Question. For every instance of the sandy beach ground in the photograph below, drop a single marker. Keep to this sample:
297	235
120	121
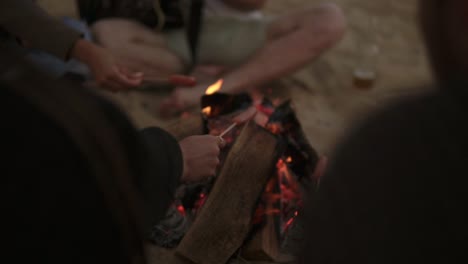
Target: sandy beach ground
324	95
323	92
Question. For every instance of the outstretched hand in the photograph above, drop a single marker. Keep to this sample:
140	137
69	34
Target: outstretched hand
107	72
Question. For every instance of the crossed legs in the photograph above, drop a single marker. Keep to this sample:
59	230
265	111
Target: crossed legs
294	40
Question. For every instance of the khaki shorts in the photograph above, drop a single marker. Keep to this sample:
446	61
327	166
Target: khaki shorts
223	41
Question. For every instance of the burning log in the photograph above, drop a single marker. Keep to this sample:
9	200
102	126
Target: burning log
225	220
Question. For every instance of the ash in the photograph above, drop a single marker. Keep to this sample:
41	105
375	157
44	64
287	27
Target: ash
170	231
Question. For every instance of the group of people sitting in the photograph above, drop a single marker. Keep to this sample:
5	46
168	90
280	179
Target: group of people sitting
82	185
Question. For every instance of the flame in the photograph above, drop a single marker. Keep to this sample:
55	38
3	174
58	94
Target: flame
289	159
207	110
214	87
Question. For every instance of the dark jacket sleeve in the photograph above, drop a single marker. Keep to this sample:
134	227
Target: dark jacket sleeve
156	159
26	20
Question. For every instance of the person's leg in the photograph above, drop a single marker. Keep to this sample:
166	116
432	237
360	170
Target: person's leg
139	47
293	41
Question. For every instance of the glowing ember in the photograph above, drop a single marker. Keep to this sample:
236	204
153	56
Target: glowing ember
181	209
274	128
207	110
265	109
214	87
200	202
291	198
290	221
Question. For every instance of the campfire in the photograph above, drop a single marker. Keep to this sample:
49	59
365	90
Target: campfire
251	204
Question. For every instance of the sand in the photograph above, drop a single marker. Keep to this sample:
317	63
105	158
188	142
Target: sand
328	104
323	93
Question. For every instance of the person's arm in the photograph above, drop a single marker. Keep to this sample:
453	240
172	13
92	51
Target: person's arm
161	162
171	163
28	22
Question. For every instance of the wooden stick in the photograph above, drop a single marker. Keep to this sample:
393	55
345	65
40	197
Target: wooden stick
227	130
224	221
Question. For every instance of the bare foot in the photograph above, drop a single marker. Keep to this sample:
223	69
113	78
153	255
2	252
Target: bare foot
181	99
184	97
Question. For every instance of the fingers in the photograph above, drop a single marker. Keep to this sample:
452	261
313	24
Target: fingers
130	74
127	79
214	142
120	80
201	157
221	142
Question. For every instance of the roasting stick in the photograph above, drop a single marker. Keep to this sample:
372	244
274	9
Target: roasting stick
227	130
221	141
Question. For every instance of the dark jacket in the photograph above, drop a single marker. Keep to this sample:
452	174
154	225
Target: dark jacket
397	189
53	202
26	21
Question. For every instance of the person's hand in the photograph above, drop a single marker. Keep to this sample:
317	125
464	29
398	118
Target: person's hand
105	68
201	157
